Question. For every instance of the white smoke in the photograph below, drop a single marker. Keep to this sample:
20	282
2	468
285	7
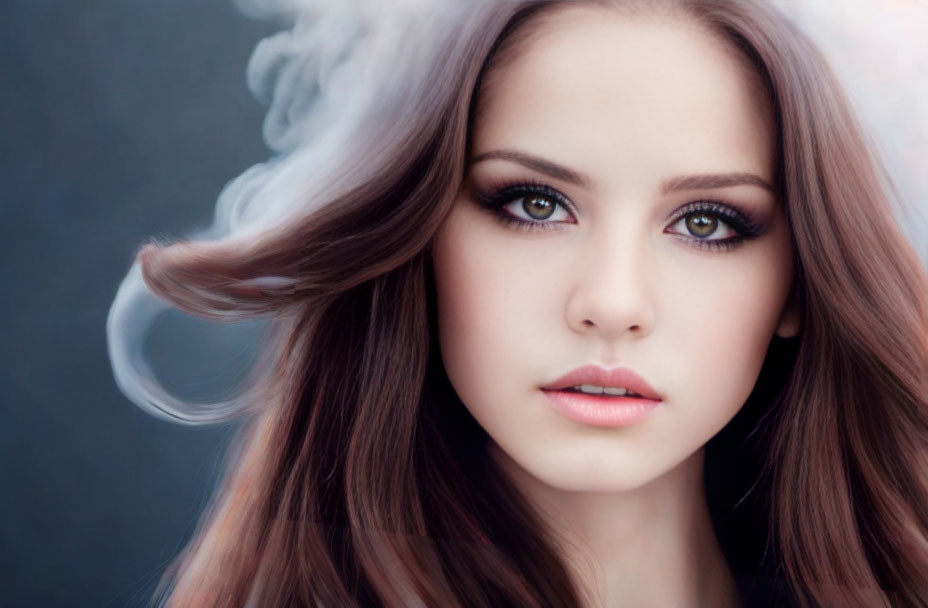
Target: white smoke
879	51
342	62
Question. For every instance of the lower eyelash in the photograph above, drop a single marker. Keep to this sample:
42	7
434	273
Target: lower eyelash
718	244
520	224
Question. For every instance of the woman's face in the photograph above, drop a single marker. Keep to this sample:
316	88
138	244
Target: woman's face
616	214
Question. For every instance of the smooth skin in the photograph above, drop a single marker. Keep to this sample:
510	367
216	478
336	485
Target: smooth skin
623	107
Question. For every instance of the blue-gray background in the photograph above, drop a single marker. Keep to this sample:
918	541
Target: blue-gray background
120	120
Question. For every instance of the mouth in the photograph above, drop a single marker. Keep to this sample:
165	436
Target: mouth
594	381
606	391
601	397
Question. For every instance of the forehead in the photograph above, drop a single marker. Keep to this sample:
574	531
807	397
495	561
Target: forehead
601	88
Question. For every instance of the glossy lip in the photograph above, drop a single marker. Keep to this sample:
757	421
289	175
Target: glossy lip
619	377
602	410
596	410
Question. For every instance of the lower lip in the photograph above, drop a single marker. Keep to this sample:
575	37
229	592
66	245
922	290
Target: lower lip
603	410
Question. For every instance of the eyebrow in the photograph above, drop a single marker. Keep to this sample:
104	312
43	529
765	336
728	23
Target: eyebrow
685	182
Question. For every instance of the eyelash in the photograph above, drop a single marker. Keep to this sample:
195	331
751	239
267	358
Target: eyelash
496	198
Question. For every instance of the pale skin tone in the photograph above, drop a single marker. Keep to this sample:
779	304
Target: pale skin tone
614	114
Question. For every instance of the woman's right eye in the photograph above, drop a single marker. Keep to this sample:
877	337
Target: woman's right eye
529	206
537	207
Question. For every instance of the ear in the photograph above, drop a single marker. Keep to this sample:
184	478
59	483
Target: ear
788	325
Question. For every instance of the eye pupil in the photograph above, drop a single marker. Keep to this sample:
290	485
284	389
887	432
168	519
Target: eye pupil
702	225
538	207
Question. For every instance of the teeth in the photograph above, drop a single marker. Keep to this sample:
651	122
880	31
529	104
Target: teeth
592	389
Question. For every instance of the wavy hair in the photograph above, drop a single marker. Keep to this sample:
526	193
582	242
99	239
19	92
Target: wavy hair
360	478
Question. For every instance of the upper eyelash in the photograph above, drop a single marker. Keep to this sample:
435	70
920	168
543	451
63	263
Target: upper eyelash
503	194
496	197
737	220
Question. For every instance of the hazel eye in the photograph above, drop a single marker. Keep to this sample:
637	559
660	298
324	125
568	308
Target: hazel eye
704	226
536	207
527	206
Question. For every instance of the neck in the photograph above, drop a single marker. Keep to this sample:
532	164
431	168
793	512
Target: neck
649	546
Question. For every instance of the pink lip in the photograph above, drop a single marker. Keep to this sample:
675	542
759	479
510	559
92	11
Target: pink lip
602	410
616	377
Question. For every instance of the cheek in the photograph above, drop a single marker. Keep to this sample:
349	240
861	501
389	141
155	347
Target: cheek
500	317
485	315
723	331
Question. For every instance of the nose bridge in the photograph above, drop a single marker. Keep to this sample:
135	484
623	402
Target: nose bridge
613	290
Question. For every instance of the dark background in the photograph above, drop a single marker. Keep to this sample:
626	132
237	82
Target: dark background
120	120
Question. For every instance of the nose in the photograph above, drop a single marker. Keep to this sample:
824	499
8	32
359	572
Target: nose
612	291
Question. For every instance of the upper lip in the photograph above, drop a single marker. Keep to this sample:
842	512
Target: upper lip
618	377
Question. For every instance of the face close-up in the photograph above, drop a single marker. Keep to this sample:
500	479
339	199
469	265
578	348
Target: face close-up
590	231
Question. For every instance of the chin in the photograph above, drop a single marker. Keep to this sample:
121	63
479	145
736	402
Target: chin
564	473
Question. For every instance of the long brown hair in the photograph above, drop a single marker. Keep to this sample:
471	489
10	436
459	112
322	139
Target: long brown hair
360	478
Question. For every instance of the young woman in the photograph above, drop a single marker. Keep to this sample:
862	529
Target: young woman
590	303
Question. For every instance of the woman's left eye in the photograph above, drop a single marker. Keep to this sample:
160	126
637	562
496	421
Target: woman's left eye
704	226
713	225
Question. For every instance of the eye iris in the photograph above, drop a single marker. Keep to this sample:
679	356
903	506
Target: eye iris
702	224
538	207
